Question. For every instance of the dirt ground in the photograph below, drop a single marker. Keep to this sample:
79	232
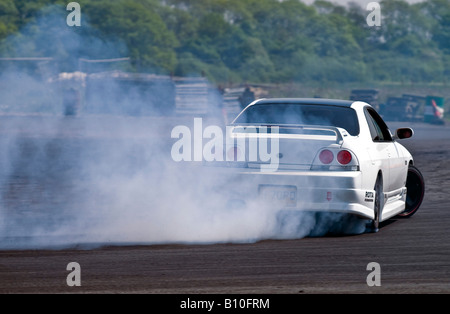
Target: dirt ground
413	255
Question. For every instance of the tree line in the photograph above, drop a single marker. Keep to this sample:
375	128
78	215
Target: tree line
257	41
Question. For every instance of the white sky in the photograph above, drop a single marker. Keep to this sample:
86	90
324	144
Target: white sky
363	3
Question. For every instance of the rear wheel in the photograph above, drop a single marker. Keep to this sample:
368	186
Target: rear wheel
415	192
378	204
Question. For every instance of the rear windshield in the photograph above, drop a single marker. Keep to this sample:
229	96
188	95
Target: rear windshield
304	114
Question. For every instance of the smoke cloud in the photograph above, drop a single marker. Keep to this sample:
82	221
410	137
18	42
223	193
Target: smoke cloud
104	175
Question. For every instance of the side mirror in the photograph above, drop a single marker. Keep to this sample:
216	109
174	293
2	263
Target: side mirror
403	133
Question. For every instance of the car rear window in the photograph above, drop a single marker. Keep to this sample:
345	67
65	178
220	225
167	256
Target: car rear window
303	114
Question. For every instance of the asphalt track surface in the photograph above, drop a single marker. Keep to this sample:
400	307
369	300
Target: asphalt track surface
413	254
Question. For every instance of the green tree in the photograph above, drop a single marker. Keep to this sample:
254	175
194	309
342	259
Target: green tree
9	16
438	11
151	45
235	40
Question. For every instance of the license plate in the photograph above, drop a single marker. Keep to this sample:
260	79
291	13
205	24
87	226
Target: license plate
281	195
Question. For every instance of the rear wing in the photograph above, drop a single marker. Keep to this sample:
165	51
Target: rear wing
288	131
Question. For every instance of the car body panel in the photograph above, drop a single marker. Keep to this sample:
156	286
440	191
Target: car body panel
349	191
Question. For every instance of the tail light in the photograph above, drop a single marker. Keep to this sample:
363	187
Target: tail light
234	153
335	159
344	157
326	156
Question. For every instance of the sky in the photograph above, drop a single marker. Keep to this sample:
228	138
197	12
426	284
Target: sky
363	3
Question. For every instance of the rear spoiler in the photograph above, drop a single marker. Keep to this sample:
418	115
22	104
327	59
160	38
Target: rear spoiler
292	131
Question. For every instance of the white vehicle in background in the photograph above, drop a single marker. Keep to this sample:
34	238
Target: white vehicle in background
334	156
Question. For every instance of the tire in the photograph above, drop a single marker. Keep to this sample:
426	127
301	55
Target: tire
415	185
378	204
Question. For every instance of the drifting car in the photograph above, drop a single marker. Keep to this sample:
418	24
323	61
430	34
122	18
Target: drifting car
332	156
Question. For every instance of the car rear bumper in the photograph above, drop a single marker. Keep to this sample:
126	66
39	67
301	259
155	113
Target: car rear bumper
317	191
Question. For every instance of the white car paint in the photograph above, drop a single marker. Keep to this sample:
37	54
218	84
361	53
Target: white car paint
348	191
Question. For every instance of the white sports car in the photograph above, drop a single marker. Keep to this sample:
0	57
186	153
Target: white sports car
329	156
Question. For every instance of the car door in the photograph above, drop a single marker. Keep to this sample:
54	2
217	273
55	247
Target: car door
385	151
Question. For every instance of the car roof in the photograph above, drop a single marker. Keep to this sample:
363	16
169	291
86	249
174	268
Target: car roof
305	101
